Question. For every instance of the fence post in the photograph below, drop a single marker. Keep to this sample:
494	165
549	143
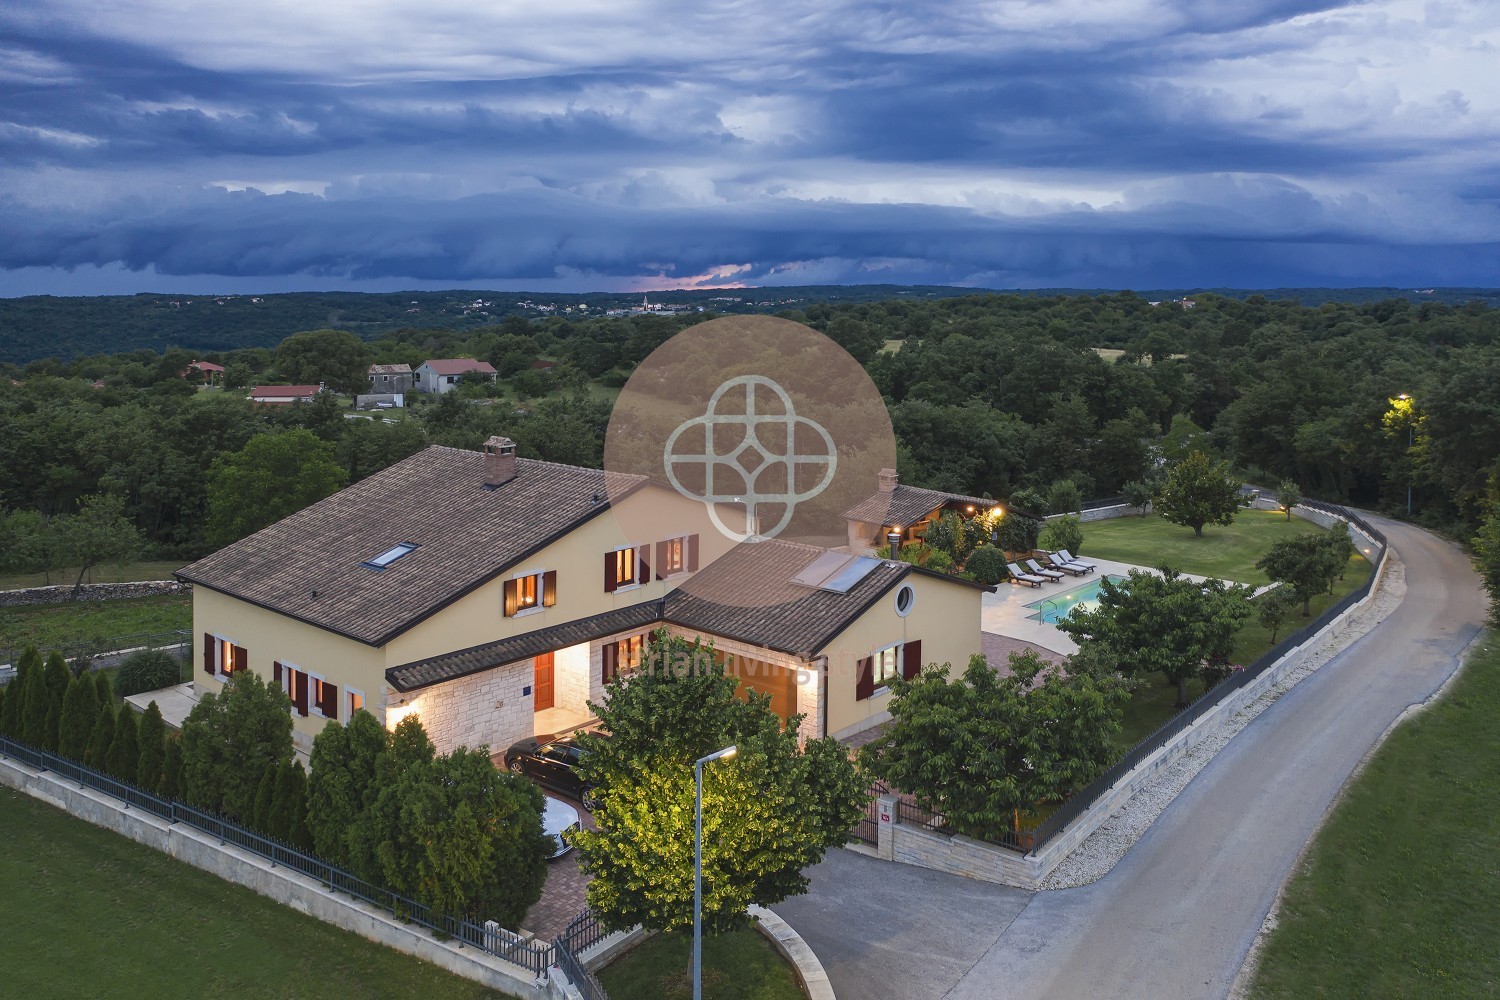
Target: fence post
887	816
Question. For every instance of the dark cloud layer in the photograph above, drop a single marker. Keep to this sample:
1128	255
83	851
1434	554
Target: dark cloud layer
1160	143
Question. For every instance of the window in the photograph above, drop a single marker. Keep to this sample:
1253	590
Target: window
623	656
354	701
876	671
626	568
221	657
309	693
887	665
906	597
324	698
390	555
452	379
676	555
530	592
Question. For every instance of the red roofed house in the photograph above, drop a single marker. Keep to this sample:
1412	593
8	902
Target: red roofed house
209	371
441	374
284	395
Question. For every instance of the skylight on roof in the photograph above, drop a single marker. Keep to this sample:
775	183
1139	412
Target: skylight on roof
842	581
390	555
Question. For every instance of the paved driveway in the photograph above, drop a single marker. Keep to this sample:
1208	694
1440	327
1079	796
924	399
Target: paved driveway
1178	914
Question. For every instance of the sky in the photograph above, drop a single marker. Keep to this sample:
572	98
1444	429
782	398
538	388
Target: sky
576	145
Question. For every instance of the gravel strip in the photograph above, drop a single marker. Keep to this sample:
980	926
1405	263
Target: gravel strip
1096	856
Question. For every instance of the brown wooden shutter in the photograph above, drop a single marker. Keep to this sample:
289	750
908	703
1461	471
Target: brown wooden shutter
299	696
864	684
241	658
661	560
611	579
512	598
330	704
692	553
643	571
276	672
911	659
549	588
611	659
208	654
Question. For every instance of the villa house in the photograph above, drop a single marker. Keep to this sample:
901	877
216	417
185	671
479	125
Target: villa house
390	379
441	374
494	596
895	508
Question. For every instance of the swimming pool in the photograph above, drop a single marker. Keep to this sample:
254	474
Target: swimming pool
1055	608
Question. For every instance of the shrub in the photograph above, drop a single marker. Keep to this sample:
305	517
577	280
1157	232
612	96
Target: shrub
123	757
987	565
1064	497
1029	500
79	713
151	735
147	670
939	561
1016	533
1138	493
1064	532
102	736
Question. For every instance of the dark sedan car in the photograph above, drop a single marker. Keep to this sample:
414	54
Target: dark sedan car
552	762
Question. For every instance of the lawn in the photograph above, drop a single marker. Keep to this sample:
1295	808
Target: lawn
1397	895
57	626
127	573
1228	553
739	965
105	916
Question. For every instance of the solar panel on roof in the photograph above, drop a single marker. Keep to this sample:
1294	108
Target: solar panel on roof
821	568
842	581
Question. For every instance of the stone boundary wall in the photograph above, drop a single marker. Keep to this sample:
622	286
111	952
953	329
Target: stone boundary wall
63	593
959	855
289	888
1104	513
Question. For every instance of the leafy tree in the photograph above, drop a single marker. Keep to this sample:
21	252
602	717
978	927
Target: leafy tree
1487	548
1139	493
229	739
123	757
981	748
1063	532
99	533
341	782
770	811
272	476
1064	497
1198	492
1161	622
287	817
1302	564
1289	495
987	565
1016	532
1272	608
339	359
151	737
1183	439
237	375
1338	548
79	713
102	737
147	670
1029	500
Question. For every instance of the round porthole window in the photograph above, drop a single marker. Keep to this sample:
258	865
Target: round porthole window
905	598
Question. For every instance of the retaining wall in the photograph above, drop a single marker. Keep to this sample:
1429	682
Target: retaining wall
286	887
90	592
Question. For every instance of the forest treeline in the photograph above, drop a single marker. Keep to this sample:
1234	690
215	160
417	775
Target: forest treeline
989	395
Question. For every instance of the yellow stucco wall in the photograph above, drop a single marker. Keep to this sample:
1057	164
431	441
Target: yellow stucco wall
945	618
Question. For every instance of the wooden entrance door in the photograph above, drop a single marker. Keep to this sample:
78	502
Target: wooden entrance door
542	682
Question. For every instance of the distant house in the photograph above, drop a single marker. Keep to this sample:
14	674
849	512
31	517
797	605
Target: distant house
390	378
284	395
207	370
543	365
441	374
380	401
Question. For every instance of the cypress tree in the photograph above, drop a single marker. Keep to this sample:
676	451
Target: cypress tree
58	677
288	818
15	693
102	736
79	713
265	795
151	735
102	689
124	753
35	701
2	708
171	770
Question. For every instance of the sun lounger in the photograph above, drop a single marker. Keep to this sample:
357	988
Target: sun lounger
1019	575
1070	557
1037	568
1058	562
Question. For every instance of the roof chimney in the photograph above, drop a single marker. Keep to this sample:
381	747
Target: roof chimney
499	461
886	480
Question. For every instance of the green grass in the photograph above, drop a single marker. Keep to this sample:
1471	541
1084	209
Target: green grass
739	965
1397	895
1228	553
128	573
56	626
96	915
1255	639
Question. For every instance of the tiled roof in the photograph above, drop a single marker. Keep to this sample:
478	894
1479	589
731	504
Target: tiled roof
450	666
788	618
390	369
309	565
457	366
906	505
284	390
207	366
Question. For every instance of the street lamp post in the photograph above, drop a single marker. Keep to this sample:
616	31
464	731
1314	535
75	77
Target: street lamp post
698	865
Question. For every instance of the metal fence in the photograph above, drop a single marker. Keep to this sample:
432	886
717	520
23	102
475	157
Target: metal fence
487	937
1104	502
582	932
